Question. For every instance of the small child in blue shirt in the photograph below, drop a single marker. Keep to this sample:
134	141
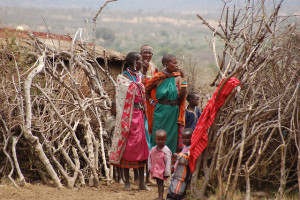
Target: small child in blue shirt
192	112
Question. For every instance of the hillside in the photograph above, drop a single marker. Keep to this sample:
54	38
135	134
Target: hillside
120	30
125	25
121	4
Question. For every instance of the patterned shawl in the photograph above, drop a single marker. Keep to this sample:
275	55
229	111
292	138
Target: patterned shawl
125	94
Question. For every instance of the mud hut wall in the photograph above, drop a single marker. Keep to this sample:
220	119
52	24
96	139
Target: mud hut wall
114	68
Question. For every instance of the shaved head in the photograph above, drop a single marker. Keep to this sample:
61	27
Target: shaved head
160	132
187	132
167	58
186	136
131	57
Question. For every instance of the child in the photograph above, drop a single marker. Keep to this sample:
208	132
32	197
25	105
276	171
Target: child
192	112
182	173
159	161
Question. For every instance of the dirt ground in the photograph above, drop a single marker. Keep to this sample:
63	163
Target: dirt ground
43	192
103	192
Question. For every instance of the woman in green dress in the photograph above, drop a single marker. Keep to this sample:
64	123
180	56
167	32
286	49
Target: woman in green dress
170	104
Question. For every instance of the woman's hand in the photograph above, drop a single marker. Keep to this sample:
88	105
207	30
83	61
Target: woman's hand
145	66
175	155
180	69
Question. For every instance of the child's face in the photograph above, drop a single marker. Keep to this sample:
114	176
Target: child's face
160	140
186	138
195	100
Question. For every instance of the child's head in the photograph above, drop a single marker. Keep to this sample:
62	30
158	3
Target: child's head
186	136
193	98
160	138
113	108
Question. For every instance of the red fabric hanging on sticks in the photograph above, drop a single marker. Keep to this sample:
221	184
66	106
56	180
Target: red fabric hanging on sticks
200	138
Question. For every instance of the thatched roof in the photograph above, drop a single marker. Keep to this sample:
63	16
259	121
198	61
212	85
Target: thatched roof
60	43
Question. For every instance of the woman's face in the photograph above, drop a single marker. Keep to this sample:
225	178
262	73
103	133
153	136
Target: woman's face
147	55
172	66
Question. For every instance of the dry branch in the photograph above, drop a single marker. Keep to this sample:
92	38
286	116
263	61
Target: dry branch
53	116
256	129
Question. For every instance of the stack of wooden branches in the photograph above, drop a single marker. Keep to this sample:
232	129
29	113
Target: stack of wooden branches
53	109
254	143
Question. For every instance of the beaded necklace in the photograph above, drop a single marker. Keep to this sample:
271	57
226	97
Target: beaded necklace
165	72
134	77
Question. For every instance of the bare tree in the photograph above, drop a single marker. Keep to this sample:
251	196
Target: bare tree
194	69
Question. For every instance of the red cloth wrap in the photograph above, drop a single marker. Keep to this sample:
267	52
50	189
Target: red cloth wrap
199	137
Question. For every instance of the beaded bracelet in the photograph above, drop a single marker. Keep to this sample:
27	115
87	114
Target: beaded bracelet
152	102
184	84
